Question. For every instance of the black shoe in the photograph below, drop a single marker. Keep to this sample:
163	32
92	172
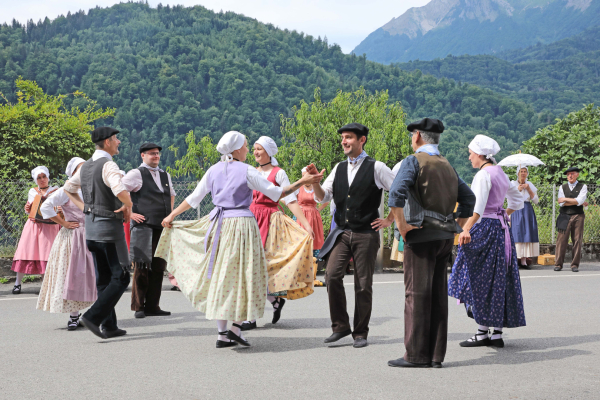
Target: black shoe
402	363
497	342
233	336
16	289
558	268
140	314
221	343
95	329
470	312
280	302
248	326
175	289
524	266
157	313
436	364
335	336
360	342
115	333
575	269
475	341
73	323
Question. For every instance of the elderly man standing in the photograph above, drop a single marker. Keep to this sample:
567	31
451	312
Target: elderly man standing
356	185
423	198
571	198
106	204
153	197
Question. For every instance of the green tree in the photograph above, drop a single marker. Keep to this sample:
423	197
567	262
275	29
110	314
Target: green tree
40	130
571	141
197	159
310	136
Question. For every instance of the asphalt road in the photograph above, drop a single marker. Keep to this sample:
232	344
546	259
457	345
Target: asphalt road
556	356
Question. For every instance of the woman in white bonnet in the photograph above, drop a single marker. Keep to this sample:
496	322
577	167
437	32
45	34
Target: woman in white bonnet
38	235
70	282
485	276
288	248
219	261
524	223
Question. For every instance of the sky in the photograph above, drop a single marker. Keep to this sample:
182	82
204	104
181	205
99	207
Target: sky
345	22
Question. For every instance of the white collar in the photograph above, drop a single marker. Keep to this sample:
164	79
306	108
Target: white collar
572	184
101	153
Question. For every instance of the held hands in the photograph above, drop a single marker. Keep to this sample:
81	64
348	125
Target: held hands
464	237
139	218
168	221
380	224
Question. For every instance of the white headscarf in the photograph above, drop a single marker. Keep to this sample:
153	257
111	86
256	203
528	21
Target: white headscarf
485	146
270	147
230	142
72	165
39	170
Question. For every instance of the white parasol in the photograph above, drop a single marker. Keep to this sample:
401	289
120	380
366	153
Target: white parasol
521	160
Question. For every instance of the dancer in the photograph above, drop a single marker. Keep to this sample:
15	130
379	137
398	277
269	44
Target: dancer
485	276
106	205
523	223
153	197
571	199
227	280
288	248
356	185
38	234
423	198
70	281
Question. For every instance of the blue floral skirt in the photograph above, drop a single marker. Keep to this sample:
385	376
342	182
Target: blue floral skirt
482	279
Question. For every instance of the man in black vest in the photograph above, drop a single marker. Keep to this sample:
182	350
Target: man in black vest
106	204
153	196
424	195
356	186
571	198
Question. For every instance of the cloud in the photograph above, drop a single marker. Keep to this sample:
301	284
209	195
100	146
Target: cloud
345	22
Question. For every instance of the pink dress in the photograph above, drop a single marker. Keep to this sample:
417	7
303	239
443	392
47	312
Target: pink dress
309	209
34	245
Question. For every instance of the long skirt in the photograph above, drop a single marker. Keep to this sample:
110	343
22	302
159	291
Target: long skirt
525	231
289	253
68	286
34	247
236	290
313	216
483	278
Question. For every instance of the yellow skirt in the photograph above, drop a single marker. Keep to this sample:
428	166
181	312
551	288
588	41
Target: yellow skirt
289	254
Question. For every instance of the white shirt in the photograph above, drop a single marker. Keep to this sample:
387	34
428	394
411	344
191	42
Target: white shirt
582	194
254	180
396	169
481	186
383	178
32	193
133	180
282	180
58	198
525	192
111	175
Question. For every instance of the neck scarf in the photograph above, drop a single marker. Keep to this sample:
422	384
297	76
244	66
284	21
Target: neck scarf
357	159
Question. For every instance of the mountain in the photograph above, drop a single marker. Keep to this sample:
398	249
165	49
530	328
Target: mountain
556	78
458	27
169	70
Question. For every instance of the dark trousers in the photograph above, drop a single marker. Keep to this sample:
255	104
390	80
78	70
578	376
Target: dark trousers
575	230
426	300
111	282
147	283
363	248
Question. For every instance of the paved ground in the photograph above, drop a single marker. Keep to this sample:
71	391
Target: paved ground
556	356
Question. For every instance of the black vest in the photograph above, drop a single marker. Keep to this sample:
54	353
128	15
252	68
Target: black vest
357	206
572	194
97	197
149	201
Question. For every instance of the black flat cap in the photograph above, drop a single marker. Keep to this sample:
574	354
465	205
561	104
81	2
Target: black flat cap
149	146
572	169
359	129
427	125
103	133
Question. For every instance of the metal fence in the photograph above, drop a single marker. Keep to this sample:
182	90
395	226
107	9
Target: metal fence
13	196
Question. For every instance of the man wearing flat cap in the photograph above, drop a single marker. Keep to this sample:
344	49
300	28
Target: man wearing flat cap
356	186
423	198
106	204
153	196
571	198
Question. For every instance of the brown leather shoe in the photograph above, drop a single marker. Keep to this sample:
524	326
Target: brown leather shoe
575	268
558	268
